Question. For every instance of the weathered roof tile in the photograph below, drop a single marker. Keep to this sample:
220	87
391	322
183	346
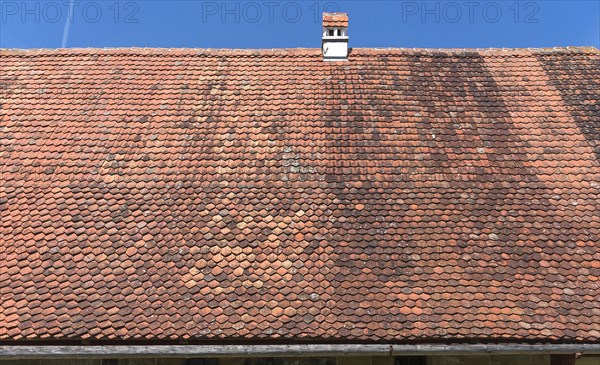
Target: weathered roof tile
405	195
335	19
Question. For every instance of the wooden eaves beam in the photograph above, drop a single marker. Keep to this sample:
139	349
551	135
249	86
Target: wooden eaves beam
297	350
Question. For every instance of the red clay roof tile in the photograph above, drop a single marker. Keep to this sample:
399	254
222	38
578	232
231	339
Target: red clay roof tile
405	195
335	20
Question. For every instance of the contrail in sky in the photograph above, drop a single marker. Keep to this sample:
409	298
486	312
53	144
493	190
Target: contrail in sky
67	25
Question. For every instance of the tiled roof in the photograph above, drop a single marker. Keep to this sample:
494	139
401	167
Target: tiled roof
405	195
335	19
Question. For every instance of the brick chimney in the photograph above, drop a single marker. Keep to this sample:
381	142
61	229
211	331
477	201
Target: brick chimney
335	37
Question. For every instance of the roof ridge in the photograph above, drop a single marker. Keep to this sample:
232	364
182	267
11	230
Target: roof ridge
292	51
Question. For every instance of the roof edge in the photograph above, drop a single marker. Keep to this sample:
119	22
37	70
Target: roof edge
277	51
297	350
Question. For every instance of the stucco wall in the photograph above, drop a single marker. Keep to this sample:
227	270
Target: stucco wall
490	360
588	361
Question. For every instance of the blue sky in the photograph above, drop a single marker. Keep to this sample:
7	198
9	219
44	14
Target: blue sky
283	24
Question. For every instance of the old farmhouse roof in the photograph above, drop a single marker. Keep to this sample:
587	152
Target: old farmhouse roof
402	196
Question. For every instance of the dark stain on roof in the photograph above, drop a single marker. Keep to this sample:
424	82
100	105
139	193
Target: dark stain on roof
403	196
